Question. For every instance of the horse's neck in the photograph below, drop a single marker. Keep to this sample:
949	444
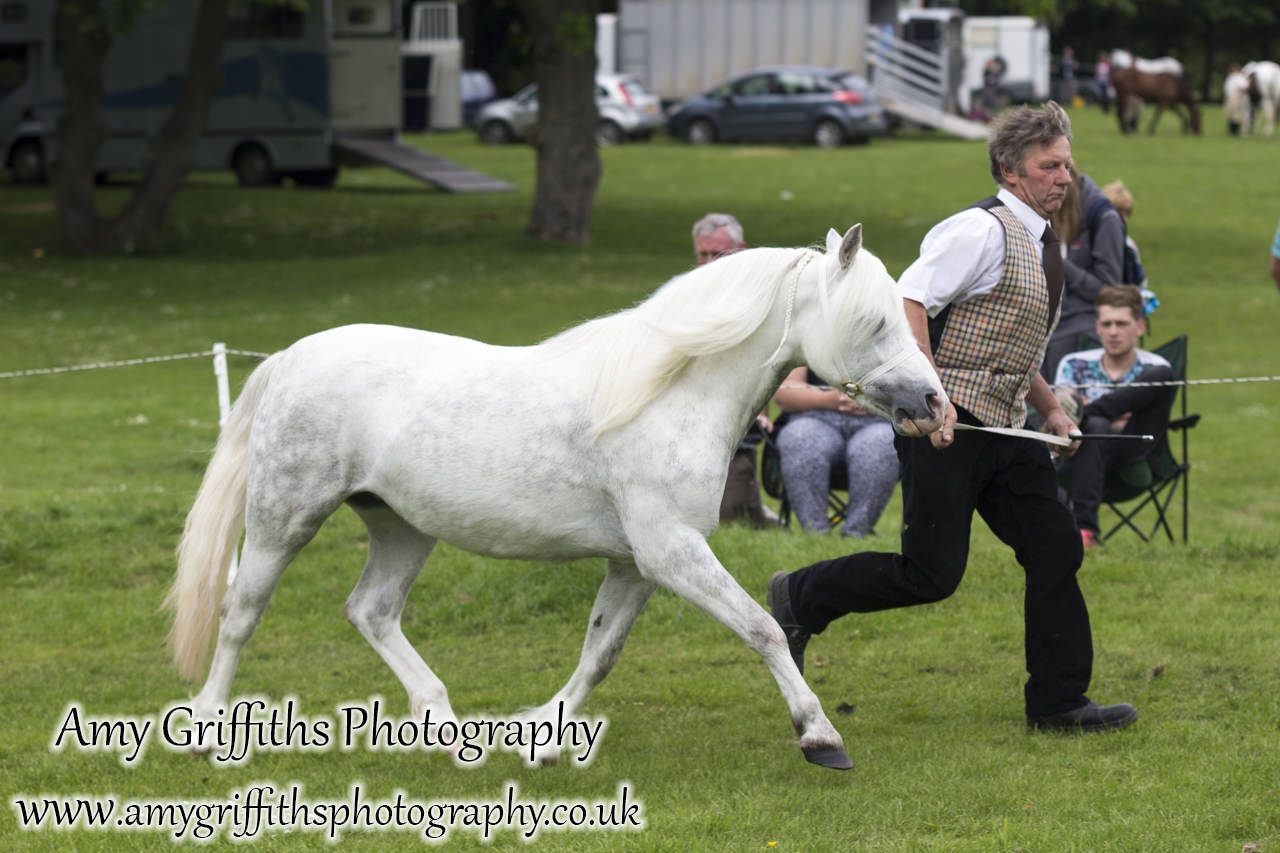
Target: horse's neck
739	382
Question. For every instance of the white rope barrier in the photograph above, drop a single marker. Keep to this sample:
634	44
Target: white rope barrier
128	362
220	351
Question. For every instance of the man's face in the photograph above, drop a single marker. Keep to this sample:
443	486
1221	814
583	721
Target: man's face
1043	179
1118	330
717	244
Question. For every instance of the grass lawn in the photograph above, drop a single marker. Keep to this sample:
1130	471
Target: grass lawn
99	468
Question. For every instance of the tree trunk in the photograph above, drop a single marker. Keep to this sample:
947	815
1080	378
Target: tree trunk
82	28
564	36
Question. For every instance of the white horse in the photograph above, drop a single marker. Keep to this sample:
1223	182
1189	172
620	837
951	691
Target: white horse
611	439
1264	86
1235	101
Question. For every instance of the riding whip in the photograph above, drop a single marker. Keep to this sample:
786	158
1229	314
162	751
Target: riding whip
1049	438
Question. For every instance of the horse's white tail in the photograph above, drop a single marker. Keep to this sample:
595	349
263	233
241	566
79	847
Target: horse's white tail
212	532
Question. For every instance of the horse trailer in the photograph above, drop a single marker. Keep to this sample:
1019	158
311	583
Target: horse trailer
296	78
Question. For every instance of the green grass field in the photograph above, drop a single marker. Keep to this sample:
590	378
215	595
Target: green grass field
99	468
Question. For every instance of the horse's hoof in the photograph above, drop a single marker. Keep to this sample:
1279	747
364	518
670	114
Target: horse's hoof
828	756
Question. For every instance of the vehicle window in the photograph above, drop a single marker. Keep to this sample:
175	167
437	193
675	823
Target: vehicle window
257	19
850	82
362	18
793	83
760	84
13	67
922	31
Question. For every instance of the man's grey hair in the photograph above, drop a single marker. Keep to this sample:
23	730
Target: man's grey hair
1016	131
713	222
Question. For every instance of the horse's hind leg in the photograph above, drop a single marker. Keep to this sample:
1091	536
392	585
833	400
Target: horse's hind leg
1151	128
262	562
621	597
397	552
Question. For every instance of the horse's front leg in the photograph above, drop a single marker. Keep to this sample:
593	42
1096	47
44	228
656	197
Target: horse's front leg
679	559
622	596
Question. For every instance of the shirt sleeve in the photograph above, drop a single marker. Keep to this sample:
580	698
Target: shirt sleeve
1275	245
961	258
1063	375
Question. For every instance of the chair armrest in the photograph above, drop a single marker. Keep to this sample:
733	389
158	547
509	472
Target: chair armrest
1184	422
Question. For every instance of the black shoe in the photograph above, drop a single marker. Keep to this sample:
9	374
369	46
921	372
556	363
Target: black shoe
1089	717
779	601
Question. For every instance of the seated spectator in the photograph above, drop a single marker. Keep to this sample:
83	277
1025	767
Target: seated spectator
1275	259
825	428
1106	408
1122	200
714	236
1094	259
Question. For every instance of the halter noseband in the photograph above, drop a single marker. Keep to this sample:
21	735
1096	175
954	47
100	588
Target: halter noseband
853	389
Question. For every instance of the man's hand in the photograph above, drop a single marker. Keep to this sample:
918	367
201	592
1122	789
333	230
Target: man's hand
943	437
1057	423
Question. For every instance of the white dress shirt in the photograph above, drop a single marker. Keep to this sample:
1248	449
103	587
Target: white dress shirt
950	270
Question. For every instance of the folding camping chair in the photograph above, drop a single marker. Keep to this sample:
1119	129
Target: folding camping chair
771	480
1157	479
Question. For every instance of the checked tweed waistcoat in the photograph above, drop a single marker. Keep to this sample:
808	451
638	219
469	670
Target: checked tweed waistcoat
989	348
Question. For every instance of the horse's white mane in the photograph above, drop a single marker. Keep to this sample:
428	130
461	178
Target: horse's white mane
631	357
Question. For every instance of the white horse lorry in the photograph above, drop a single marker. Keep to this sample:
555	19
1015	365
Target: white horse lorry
306	88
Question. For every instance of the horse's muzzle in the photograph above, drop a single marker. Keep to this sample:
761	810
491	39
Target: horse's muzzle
919	421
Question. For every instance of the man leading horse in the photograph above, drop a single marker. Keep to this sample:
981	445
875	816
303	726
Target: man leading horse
982	299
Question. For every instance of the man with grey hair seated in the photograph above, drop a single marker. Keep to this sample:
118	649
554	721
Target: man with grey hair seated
714	236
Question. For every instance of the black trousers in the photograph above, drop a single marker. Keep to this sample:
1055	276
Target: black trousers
1011	483
1088	468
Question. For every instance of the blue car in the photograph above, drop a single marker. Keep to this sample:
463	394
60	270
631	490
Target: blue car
825	105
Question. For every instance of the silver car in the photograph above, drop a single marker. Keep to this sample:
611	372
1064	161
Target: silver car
626	110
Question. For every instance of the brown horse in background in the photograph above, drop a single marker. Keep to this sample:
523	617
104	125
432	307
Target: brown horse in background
1166	91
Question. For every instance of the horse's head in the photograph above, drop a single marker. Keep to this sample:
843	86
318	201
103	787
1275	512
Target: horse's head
862	343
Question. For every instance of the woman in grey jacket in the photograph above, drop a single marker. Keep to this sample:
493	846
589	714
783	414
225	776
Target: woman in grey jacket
1094	259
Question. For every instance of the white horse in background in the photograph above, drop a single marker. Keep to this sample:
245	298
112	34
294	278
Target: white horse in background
1235	101
611	439
1264	87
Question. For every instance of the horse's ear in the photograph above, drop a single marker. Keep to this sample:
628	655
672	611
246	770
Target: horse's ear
852	243
833	241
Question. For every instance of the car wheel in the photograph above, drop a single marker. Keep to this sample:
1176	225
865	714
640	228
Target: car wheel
828	134
27	162
700	132
609	133
253	166
495	132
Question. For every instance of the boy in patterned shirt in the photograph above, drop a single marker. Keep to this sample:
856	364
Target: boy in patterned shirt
1106	407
